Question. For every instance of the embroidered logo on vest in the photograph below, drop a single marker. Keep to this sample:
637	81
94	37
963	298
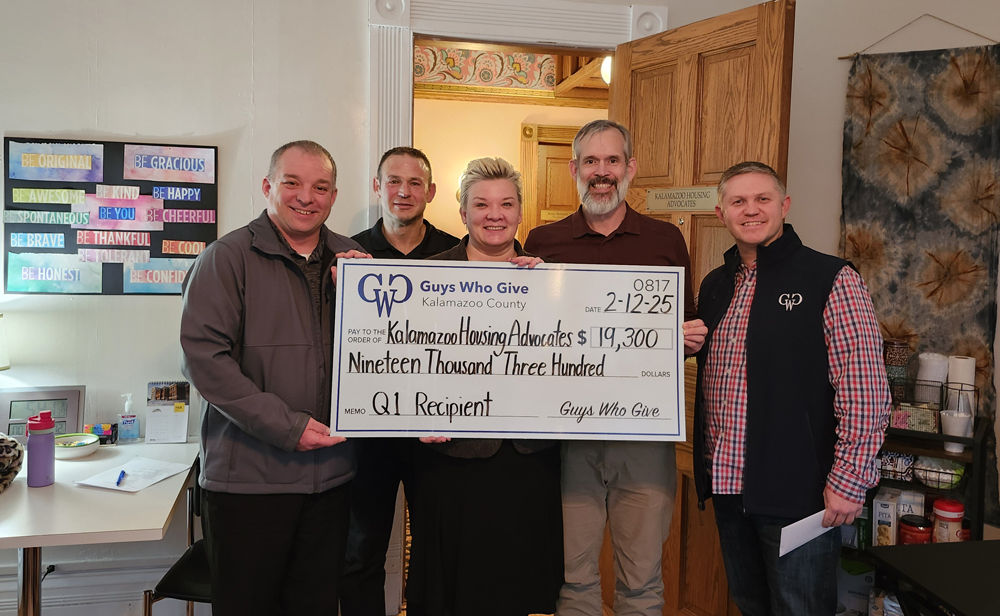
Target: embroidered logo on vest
789	300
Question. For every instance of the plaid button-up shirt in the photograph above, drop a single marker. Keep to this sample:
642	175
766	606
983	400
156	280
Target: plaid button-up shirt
857	373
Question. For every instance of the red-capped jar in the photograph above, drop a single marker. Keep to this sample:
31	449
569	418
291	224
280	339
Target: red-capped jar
948	515
915	529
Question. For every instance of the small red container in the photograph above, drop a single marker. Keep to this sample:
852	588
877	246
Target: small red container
915	529
948	517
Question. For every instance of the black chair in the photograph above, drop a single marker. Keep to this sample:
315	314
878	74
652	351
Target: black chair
188	579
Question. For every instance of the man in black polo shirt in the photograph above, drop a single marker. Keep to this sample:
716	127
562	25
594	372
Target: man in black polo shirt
403	187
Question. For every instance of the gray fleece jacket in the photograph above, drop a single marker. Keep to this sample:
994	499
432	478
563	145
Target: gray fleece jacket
255	348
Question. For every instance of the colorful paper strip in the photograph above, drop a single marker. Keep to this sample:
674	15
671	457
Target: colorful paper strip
51	273
56	162
169	164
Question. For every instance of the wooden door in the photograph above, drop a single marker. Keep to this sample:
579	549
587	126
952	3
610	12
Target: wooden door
697	100
549	191
707	239
705	96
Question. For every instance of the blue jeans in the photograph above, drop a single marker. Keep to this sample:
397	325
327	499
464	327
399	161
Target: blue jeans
800	583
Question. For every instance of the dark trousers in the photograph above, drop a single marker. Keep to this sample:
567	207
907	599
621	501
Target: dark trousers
382	464
800	583
275	554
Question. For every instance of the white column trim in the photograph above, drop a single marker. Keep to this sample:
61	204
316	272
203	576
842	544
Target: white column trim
647	20
391	105
524	21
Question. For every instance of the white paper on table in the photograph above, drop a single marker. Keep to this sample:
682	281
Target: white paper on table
799	533
140	473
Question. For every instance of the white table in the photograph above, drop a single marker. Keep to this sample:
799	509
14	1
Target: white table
68	514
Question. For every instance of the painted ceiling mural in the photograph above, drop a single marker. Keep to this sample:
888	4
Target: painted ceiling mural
478	68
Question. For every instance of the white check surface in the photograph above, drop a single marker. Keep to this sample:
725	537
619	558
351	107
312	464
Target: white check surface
475	349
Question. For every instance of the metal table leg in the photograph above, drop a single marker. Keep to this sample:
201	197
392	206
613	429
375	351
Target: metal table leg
29	581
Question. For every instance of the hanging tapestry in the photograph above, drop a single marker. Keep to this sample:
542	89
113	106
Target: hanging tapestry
921	203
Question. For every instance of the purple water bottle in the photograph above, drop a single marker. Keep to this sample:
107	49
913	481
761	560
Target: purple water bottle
41	450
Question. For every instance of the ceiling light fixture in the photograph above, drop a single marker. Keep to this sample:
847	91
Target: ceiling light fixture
606	70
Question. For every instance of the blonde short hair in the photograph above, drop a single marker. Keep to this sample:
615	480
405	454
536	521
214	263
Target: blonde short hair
482	169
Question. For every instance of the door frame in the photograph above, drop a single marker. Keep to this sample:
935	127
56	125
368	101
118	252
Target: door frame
533	135
393	23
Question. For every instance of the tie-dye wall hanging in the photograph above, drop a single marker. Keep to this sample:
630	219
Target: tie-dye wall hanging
921	203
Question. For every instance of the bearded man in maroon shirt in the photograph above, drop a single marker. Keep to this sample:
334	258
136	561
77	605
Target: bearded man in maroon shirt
631	484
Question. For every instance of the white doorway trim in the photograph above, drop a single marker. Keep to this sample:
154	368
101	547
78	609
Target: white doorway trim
392	24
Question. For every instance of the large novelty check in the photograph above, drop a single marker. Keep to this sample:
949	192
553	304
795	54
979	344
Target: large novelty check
476	349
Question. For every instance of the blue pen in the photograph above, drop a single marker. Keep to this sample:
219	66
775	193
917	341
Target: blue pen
121	476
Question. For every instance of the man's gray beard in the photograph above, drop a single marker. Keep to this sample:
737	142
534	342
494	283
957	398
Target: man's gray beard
596	207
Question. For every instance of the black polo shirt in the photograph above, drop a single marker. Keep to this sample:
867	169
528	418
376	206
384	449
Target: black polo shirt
435	241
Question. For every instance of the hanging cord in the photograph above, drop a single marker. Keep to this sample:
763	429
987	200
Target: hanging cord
903	27
48	570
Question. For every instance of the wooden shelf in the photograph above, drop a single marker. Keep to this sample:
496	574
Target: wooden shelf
931	436
927	444
969	491
956	493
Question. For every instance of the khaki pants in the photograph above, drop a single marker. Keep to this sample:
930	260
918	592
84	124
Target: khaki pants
631	485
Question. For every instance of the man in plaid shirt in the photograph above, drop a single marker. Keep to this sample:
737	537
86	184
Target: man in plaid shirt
792	400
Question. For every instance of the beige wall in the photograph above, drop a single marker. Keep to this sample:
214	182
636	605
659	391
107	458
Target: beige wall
452	133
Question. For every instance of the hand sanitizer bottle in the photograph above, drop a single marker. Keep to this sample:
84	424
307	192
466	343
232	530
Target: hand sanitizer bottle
128	423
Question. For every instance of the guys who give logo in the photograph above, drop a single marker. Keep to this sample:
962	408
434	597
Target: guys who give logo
790	300
396	290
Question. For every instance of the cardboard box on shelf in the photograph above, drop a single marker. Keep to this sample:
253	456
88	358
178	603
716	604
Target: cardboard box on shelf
910	503
884	525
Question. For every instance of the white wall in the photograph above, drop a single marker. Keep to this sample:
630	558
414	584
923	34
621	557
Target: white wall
245	75
452	133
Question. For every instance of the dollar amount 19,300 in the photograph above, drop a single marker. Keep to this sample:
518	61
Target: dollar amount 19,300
618	338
